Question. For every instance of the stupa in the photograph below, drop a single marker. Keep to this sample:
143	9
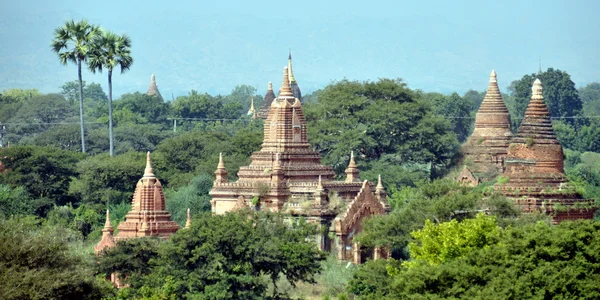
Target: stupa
266	105
107	240
153	88
486	148
534	168
252	110
148	215
287	176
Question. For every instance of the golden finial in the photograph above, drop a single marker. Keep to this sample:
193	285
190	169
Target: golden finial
188	222
379	184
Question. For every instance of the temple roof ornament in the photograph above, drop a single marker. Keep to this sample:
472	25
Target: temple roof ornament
107	240
269	97
293	84
352	170
153	88
188	222
252	111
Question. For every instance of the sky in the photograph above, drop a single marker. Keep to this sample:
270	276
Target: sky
212	46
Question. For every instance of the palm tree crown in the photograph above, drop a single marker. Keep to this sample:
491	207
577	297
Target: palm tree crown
72	41
109	51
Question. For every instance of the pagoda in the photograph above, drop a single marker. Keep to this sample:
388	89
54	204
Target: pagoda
153	88
252	110
486	148
287	176
293	84
148	215
534	168
269	97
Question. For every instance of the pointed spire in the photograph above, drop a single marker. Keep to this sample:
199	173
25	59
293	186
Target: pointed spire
540	67
252	111
536	90
148	172
221	165
536	123
107	226
153	88
188	222
379	184
285	90
352	170
352	163
270	86
291	73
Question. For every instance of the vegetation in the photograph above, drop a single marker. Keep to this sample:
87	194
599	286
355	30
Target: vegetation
446	240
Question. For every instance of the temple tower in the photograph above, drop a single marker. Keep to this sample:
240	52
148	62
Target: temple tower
293	84
153	88
107	240
287	176
487	147
148	215
252	110
266	105
534	167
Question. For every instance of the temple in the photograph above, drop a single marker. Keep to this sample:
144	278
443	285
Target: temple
293	84
287	176
528	166
153	88
486	148
266	105
534	167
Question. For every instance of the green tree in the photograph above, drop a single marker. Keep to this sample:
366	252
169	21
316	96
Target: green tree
475	98
559	94
37	262
72	43
435	244
15	201
108	52
103	180
535	261
455	108
377	118
42	171
223	257
193	196
150	108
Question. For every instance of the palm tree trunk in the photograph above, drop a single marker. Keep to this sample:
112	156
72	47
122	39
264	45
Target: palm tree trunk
110	118
81	106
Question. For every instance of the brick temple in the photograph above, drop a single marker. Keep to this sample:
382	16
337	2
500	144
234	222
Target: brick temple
148	215
530	164
287	176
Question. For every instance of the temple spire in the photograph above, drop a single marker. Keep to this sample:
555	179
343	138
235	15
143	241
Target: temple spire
153	88
107	226
252	110
148	172
285	90
291	73
352	170
188	222
379	184
221	172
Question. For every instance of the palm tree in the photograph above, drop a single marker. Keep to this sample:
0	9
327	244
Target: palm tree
72	44
109	51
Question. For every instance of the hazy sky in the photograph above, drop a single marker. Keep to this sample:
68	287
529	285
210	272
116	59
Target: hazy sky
211	46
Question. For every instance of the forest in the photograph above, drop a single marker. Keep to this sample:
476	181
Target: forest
53	195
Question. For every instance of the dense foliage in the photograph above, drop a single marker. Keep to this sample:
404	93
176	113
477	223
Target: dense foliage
220	257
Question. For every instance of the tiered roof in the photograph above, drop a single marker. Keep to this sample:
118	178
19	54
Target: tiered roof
535	167
488	144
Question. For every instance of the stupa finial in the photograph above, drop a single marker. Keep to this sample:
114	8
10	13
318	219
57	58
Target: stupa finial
493	77
379	184
352	163
221	165
285	91
148	172
270	86
107	225
188	222
536	90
